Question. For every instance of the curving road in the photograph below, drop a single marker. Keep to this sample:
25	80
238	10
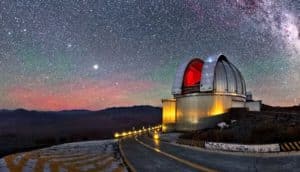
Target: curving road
145	154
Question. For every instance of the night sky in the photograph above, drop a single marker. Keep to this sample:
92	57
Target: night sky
92	54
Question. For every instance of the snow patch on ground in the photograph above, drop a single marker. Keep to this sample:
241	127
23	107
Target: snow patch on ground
3	167
102	155
170	137
242	148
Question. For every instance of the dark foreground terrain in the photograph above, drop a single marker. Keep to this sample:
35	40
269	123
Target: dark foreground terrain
23	130
271	125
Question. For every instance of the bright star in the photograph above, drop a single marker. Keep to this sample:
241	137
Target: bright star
96	67
69	45
209	60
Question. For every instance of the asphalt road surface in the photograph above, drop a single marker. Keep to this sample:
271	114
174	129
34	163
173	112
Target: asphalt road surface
145	154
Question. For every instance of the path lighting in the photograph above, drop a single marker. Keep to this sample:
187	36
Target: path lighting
164	128
117	135
131	132
155	136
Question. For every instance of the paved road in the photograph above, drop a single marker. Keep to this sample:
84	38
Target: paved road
148	155
144	159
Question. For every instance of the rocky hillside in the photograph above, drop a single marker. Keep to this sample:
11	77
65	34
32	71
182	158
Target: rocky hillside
275	125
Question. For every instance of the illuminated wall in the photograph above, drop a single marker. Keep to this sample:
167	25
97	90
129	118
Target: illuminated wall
168	113
191	110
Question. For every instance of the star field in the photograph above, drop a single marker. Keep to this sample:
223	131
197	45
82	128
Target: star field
93	54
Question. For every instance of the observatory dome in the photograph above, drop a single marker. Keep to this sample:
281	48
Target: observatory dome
214	75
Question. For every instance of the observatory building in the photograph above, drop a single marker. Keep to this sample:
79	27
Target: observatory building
203	89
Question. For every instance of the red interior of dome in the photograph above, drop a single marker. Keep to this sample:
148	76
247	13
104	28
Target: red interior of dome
192	75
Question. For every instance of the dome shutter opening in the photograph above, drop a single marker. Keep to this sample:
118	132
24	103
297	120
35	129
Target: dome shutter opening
192	76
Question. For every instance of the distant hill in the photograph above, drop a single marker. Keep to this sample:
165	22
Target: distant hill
280	109
20	129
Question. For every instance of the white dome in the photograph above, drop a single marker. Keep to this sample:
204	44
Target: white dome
215	74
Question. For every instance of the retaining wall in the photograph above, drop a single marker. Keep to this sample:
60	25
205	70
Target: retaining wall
242	148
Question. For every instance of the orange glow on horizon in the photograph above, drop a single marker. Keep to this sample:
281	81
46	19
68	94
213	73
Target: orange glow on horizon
86	94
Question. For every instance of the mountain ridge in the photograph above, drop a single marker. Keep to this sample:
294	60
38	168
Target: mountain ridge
21	129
